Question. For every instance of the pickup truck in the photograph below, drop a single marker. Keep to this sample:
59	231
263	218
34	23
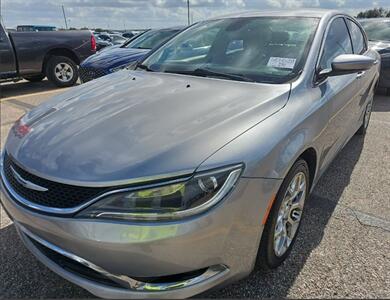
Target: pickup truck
36	55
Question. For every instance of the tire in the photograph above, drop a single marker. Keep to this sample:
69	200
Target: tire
267	255
366	119
35	78
62	71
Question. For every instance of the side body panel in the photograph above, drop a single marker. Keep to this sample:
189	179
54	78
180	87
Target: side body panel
32	47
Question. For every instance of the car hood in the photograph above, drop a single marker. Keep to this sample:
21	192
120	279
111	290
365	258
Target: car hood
114	57
135	126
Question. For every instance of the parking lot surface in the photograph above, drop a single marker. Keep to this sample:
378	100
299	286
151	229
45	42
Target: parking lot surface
342	249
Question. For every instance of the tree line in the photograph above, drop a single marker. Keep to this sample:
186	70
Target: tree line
374	13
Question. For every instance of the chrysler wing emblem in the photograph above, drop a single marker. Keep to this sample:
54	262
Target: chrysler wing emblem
28	184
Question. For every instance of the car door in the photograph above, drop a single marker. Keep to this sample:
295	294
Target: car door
339	92
366	79
7	56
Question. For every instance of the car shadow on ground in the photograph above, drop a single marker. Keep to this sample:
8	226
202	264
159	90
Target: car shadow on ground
23	88
319	209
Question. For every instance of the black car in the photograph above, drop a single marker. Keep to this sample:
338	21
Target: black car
378	32
128	35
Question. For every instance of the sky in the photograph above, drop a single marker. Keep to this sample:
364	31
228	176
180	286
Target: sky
133	14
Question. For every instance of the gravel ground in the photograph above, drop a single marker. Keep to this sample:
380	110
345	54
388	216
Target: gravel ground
342	250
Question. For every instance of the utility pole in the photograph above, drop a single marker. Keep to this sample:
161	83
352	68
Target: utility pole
63	12
188	12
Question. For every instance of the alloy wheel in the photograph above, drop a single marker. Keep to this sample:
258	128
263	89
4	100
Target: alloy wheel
63	72
290	214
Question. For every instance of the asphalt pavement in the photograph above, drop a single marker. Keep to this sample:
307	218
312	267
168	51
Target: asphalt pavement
342	250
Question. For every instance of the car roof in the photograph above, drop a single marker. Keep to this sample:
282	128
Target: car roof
310	13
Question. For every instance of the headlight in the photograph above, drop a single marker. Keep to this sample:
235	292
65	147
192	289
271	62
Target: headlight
125	66
173	201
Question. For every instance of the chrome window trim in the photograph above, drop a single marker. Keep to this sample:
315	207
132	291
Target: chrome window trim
123	280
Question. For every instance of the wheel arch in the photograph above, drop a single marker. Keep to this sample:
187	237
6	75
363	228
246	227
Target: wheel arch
59	52
310	156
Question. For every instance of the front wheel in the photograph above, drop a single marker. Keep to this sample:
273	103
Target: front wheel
283	223
62	71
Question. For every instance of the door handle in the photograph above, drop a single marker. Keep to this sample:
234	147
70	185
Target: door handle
360	75
376	62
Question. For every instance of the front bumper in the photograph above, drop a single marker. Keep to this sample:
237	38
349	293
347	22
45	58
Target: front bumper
223	242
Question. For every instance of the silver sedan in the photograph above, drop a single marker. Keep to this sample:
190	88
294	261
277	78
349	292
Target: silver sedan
190	170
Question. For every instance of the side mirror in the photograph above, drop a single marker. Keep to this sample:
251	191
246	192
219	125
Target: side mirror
347	64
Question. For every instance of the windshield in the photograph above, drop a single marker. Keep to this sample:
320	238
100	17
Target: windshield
377	30
260	49
151	39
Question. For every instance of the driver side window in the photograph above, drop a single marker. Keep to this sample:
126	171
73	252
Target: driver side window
337	42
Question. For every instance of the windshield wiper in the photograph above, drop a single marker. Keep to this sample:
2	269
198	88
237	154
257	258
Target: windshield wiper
208	72
144	67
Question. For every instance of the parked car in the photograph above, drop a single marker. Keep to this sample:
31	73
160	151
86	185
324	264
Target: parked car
378	31
128	35
117	39
178	176
35	55
100	43
133	33
117	57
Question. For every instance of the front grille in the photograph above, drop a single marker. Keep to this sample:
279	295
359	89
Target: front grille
58	195
73	266
88	73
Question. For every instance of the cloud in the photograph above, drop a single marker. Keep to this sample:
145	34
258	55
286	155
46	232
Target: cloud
293	3
122	14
